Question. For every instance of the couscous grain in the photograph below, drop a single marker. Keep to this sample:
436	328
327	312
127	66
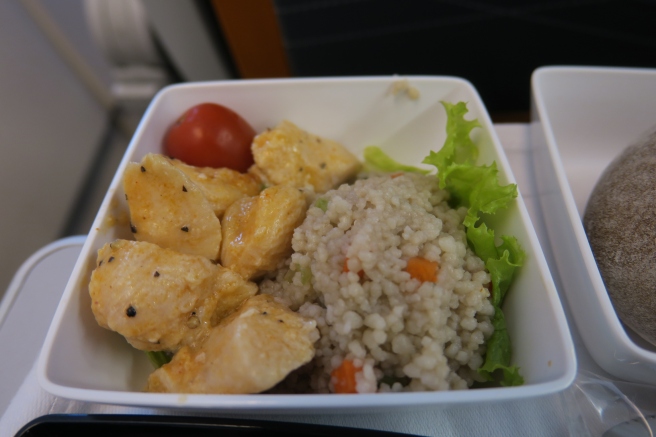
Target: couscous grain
348	272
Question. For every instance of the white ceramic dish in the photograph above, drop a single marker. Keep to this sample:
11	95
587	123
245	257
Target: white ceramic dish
82	361
581	119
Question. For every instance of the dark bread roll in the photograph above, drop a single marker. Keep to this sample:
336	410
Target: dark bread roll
620	222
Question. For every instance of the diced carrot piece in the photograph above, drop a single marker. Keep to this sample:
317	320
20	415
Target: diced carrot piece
422	269
345	269
343	377
396	175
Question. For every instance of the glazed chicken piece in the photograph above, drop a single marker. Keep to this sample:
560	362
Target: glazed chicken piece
221	186
160	299
290	155
168	209
257	231
249	352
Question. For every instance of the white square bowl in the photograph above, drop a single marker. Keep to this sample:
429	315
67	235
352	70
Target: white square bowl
82	361
581	119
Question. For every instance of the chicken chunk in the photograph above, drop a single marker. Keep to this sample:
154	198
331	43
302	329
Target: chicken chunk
160	299
290	155
249	352
257	231
221	186
168	209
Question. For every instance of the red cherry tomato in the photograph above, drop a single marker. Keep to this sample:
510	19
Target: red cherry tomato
211	135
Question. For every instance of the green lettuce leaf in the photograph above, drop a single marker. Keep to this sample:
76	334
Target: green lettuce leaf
158	358
477	187
460	180
458	147
497	358
481	240
377	160
501	261
502	269
487	195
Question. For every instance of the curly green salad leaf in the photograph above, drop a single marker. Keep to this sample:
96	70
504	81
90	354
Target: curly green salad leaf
477	188
377	160
158	358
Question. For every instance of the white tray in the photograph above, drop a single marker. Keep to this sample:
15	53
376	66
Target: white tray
27	307
581	119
